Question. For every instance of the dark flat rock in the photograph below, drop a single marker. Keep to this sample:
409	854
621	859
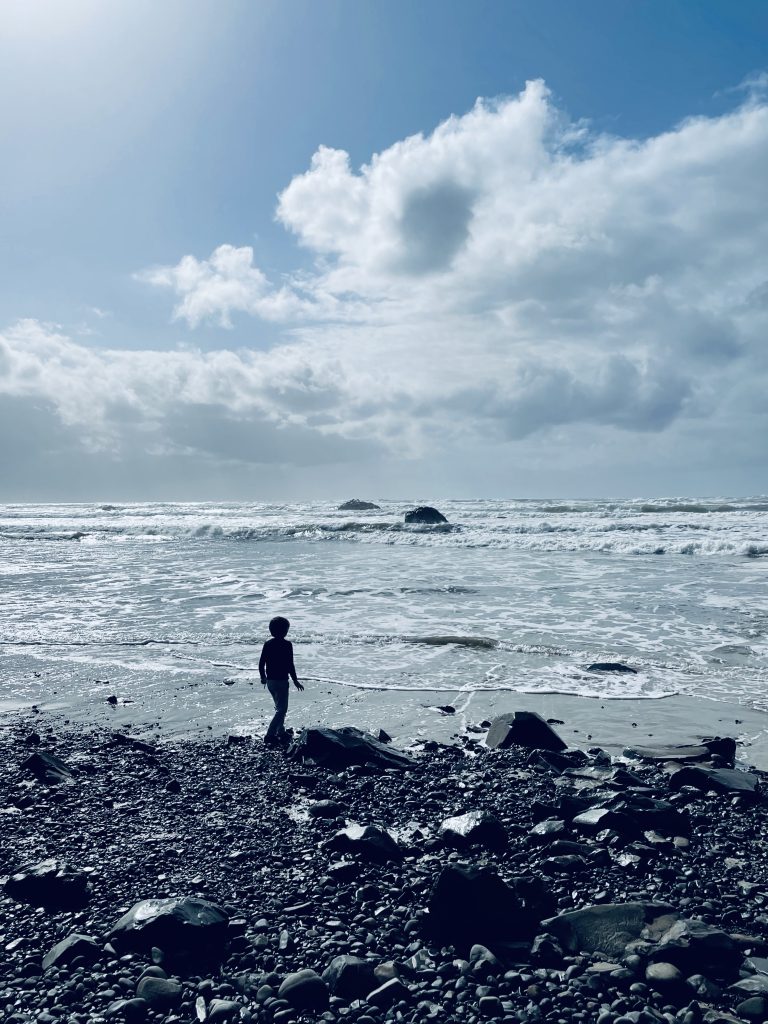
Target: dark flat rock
341	748
50	883
358	505
722	780
184	928
524	729
48	768
605	928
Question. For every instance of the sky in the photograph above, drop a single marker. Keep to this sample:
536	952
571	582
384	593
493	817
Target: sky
309	249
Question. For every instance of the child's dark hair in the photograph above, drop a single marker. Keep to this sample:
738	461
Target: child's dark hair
279	626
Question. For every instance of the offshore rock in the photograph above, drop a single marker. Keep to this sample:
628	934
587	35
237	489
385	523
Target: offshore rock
685	753
51	883
611	666
357	505
425	514
524	729
607	927
341	748
184	928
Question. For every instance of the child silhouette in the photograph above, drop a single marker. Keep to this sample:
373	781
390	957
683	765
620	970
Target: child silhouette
275	668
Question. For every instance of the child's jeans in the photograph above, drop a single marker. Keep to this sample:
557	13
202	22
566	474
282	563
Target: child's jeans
279	690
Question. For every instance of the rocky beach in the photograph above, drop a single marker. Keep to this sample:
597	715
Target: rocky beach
505	877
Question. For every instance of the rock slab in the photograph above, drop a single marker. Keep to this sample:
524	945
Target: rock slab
184	928
524	729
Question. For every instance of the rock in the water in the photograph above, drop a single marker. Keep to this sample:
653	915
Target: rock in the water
69	949
607	927
341	748
358	505
350	977
524	729
478	827
48	768
611	666
473	905
685	753
160	993
721	780
51	883
425	514
184	928
305	991
366	842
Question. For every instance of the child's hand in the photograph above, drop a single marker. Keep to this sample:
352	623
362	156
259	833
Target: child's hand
298	685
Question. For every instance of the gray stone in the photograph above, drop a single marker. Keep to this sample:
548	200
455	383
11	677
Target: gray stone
50	883
474	827
223	1010
160	993
388	994
350	977
48	768
366	842
606	927
524	729
694	946
305	991
341	748
184	928
69	949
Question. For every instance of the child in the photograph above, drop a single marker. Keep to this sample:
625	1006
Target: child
275	666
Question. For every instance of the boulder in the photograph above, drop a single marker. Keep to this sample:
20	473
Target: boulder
305	991
730	781
686	753
327	809
386	995
471	905
161	994
607	927
223	1010
474	827
48	768
132	1011
366	842
51	883
340	748
693	946
425	514
524	729
185	928
70	949
349	977
598	818
357	505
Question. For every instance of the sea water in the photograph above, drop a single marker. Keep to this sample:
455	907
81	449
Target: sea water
166	606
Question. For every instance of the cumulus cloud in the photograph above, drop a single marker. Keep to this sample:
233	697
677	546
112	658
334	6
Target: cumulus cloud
509	275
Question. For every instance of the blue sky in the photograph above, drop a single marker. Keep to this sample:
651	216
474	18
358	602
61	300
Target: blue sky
142	133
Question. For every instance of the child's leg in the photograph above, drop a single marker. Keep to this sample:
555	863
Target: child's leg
279	690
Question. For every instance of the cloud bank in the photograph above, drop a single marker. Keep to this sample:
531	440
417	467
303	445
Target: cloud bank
513	275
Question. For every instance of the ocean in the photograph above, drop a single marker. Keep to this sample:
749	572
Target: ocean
165	606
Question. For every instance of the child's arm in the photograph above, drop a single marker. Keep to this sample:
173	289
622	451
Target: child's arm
263	664
292	671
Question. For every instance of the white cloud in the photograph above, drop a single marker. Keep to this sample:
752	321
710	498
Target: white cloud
511	275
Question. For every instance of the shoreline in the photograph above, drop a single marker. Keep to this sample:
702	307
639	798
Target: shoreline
320	929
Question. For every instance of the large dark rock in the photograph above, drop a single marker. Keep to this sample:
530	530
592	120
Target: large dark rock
340	748
474	827
161	994
696	946
687	753
350	977
48	768
598	818
611	666
607	927
70	949
721	780
305	991
186	929
51	883
474	905
425	514
356	505
524	729
366	842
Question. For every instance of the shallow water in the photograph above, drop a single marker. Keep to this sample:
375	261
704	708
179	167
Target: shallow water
160	604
